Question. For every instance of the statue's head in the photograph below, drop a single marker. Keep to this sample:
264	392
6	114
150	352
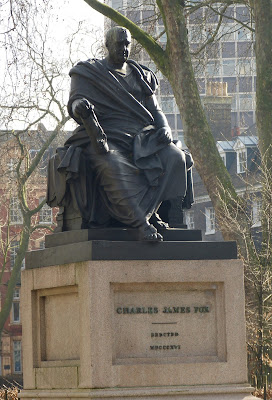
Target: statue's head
118	43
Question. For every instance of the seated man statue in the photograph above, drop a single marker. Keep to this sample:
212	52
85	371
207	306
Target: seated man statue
120	161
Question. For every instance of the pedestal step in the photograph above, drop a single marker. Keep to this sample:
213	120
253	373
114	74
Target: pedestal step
209	392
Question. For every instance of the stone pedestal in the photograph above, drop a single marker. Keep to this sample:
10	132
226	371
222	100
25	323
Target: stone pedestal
127	329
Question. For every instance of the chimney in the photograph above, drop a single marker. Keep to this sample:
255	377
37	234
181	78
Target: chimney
217	106
235	131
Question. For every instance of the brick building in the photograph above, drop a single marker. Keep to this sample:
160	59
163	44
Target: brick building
11	225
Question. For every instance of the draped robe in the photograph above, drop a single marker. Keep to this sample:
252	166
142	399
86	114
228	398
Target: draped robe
129	183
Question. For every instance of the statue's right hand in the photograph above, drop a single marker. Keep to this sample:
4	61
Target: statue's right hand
82	108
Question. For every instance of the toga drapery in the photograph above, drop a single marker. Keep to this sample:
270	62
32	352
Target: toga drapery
128	183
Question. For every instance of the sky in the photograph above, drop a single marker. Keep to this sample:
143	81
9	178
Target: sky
76	10
64	18
67	15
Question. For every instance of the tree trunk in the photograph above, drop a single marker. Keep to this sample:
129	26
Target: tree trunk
24	240
263	50
198	136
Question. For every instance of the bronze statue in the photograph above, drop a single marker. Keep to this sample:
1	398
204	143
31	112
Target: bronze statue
120	163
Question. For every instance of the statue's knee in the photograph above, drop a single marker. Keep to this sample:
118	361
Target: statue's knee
111	160
184	156
177	155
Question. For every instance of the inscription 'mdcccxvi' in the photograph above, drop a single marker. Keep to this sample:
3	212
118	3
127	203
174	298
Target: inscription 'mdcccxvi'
165	310
166	347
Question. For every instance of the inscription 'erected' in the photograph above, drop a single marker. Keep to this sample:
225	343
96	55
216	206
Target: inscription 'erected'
164	334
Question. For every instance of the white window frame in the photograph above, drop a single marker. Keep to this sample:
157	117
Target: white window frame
168	105
243	35
226	33
16	311
17	353
229	66
14	245
45	214
256	213
223	156
245	102
11	167
241	161
190	220
244	67
163	37
15	213
210	220
213	68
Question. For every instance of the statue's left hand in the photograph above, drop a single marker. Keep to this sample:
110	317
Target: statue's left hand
82	108
164	135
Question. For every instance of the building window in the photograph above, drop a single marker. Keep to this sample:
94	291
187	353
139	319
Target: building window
213	68
17	356
241	161
15	211
45	213
134	16
181	138
229	67
11	167
168	104
256	213
16	294
244	66
165	87
163	36
246	119
196	34
210	220
14	247
223	156
232	84
16	312
245	102
228	50
151	66
148	18
243	14
190	220
117	4
226	33
243	34
244	49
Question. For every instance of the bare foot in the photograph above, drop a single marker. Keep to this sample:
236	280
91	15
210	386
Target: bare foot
149	234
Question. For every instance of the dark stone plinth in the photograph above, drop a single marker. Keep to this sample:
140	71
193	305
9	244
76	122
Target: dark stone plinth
117	234
130	250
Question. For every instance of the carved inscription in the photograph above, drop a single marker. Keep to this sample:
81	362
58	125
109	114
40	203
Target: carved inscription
165	310
137	310
164	321
164	334
166	347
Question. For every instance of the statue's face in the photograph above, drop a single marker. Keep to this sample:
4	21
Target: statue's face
119	46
